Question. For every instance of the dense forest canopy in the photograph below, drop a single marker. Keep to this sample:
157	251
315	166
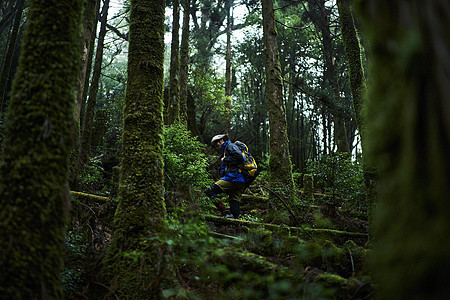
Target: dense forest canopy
108	108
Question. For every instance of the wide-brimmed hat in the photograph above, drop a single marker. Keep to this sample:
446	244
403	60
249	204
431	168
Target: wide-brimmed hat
218	137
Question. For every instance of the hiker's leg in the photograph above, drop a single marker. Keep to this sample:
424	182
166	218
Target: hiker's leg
212	193
235	198
235	208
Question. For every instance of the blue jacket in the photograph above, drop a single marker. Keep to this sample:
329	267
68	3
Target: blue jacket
229	167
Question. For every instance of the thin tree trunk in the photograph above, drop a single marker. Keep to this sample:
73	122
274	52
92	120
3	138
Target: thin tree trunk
227	124
279	162
90	58
184	62
93	90
173	111
8	58
141	207
87	50
34	195
359	92
89	22
330	75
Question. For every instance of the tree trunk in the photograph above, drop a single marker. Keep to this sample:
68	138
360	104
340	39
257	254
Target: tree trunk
90	57
34	195
93	90
7	59
331	79
173	109
87	51
191	119
279	162
184	62
227	124
89	22
141	208
409	141
359	92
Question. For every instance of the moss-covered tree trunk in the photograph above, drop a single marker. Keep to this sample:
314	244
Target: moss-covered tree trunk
88	124
89	22
87	117
87	50
184	62
34	196
135	262
90	58
279	162
359	93
409	141
331	78
173	109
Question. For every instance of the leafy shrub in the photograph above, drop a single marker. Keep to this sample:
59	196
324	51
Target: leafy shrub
90	179
339	176
74	250
185	163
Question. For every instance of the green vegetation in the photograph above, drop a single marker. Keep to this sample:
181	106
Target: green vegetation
102	186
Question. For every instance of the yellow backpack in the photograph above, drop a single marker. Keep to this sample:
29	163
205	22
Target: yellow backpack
249	167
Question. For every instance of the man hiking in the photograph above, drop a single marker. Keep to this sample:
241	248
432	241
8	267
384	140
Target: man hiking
233	181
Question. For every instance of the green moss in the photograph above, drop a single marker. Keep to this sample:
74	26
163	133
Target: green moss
331	280
141	210
34	194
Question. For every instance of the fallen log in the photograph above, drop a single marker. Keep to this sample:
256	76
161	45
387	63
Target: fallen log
83	197
337	236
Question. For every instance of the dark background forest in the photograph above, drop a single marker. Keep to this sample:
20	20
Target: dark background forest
108	108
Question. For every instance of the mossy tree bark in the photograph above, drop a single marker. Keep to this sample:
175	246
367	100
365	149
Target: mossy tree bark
184	62
331	78
87	117
87	126
89	25
173	109
279	162
359	92
135	261
90	58
87	51
34	171
409	141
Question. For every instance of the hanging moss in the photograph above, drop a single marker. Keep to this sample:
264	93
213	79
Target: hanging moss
34	171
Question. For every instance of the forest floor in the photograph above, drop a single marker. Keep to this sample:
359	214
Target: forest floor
270	253
333	269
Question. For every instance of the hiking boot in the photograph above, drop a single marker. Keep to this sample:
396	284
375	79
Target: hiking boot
231	216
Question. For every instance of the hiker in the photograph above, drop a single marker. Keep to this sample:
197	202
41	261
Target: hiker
232	182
